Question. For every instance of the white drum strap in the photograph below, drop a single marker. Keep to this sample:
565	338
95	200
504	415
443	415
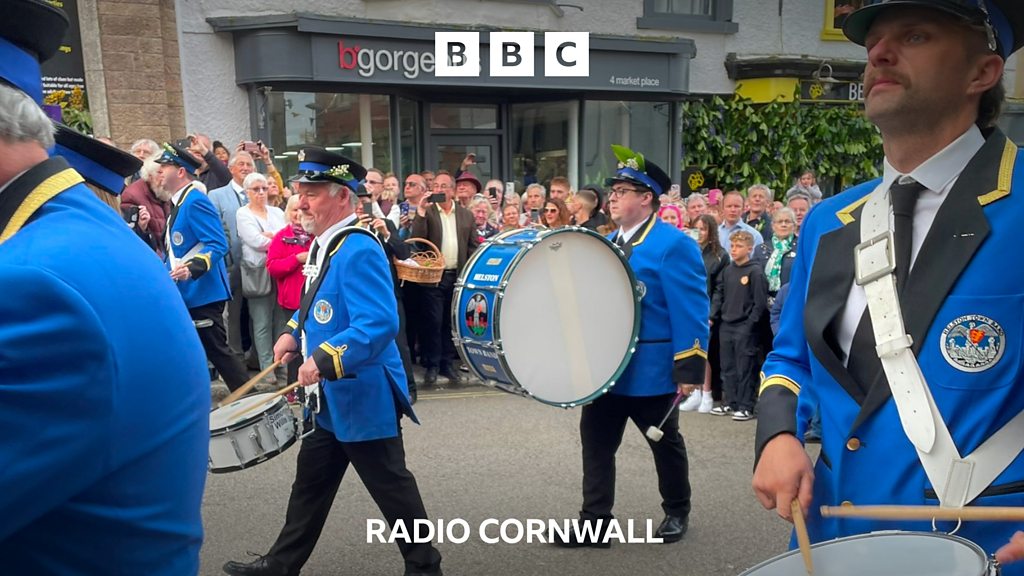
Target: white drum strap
956	480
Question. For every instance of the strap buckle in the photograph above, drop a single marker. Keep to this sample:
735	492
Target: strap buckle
874	258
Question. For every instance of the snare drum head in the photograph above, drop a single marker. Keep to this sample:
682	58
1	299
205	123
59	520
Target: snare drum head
569	317
884	554
242	410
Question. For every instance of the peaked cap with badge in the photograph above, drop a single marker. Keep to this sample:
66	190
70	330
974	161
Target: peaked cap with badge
31	31
1002	19
636	169
317	165
178	156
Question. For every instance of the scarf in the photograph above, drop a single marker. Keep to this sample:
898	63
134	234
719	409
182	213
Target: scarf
774	267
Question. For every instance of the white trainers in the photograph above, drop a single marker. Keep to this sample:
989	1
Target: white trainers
706	403
742	415
692	402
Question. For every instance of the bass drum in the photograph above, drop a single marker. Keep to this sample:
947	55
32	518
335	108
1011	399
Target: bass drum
549	314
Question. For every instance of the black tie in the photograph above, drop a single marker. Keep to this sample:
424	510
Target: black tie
863	363
620	240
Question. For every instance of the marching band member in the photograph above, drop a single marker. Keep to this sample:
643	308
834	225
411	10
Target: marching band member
101	447
946	208
345	331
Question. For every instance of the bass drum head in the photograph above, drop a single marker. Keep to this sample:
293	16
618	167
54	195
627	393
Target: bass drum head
569	317
241	411
884	554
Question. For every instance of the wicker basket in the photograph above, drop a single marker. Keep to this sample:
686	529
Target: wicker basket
431	264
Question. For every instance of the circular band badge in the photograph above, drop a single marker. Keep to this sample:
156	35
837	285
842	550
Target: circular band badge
322	311
476	314
973	343
177	238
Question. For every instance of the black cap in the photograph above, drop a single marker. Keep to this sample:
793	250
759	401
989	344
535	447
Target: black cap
99	163
174	154
319	165
31	31
636	169
1003	18
362	192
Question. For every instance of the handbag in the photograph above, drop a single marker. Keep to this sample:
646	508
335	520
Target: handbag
255	278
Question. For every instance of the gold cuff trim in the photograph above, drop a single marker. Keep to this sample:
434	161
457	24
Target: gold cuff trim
695	351
292	324
335	354
43	193
778	381
206	260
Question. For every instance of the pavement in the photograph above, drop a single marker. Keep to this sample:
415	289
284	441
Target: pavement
482	454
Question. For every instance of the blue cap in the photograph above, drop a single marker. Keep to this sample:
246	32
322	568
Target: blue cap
101	164
634	168
31	31
1003	19
174	154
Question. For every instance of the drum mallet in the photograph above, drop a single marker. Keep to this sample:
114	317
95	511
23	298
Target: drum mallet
655	434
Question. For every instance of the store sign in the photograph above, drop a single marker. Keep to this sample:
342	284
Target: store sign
561	60
831	92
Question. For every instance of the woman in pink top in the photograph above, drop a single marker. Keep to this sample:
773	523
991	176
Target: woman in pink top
286	256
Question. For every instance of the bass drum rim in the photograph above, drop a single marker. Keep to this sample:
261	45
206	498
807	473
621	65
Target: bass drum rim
542	234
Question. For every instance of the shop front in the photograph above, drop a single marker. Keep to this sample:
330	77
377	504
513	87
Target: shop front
369	90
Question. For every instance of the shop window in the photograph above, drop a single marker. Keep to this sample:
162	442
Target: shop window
641	126
836	12
688	15
463	117
539	135
408	129
334	121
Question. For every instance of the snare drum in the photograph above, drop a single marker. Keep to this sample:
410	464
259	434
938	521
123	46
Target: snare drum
886	554
549	314
249	431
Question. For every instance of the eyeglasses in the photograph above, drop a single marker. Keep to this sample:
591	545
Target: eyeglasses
442	186
622	190
784	222
259	188
551	210
374	181
414	184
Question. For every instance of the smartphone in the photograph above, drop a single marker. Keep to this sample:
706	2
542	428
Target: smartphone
534	215
130	215
493	191
439	198
250	147
184	143
368	209
510	188
403	209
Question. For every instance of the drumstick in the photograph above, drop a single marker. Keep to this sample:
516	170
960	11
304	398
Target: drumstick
248	385
969	513
655	434
801	536
277	394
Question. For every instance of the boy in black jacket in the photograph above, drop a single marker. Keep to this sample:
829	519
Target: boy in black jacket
740	301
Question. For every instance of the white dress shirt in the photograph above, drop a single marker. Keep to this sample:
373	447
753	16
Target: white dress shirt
938	174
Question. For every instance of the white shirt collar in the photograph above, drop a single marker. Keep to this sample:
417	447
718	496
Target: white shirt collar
939	172
627	235
237	187
346	222
177	195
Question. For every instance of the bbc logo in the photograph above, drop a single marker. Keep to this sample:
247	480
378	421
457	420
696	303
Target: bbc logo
566	54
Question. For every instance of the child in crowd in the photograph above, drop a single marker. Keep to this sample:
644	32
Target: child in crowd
740	300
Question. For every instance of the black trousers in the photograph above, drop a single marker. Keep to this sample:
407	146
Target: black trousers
412	304
601	427
215	343
437	346
715	361
321	466
402	341
740	346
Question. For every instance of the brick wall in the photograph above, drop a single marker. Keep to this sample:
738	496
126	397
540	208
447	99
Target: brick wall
141	69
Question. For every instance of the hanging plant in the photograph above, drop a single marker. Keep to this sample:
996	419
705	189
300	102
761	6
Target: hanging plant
738	143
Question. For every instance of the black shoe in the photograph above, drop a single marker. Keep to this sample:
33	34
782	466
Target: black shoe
412	396
431	573
261	566
672	528
463	367
571	541
430	378
454	378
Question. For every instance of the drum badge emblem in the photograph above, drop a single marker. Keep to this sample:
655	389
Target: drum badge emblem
555	246
177	238
322	311
973	343
476	314
641	289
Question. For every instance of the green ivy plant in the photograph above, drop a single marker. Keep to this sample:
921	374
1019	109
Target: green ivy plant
738	143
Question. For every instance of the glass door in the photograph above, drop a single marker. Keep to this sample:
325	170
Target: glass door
448	151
